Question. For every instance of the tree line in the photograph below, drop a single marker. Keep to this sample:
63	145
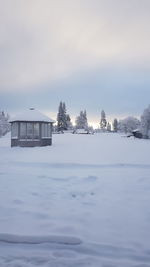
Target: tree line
127	125
81	121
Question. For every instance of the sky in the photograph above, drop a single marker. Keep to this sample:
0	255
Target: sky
91	54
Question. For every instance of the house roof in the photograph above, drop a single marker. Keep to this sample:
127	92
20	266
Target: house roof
136	130
32	115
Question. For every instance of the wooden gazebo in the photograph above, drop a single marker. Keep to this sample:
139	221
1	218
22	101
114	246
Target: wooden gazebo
30	129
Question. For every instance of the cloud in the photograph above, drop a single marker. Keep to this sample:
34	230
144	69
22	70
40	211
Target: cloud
44	41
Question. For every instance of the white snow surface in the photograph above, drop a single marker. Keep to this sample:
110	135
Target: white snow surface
84	201
31	115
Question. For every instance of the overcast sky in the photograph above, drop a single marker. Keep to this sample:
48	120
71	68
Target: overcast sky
92	54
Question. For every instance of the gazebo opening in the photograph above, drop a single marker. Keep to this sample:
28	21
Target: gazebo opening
29	130
14	130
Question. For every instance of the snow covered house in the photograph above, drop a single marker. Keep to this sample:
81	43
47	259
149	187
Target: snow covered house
30	129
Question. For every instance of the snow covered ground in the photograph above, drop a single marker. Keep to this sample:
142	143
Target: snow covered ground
85	201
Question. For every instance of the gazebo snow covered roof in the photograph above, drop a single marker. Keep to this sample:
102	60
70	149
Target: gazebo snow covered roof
32	115
31	128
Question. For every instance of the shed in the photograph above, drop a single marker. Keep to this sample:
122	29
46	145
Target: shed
136	133
31	128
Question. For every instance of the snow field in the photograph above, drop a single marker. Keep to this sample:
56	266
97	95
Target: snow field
92	188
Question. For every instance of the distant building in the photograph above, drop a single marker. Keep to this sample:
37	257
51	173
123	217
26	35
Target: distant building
30	129
83	131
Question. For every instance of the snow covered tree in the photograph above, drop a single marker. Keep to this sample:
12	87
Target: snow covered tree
68	122
63	119
145	123
128	124
4	124
103	122
85	119
64	116
108	127
60	118
115	125
81	120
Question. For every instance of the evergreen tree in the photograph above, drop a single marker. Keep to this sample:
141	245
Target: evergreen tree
115	125
60	117
85	119
81	120
68	121
63	119
145	123
103	122
65	116
108	127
